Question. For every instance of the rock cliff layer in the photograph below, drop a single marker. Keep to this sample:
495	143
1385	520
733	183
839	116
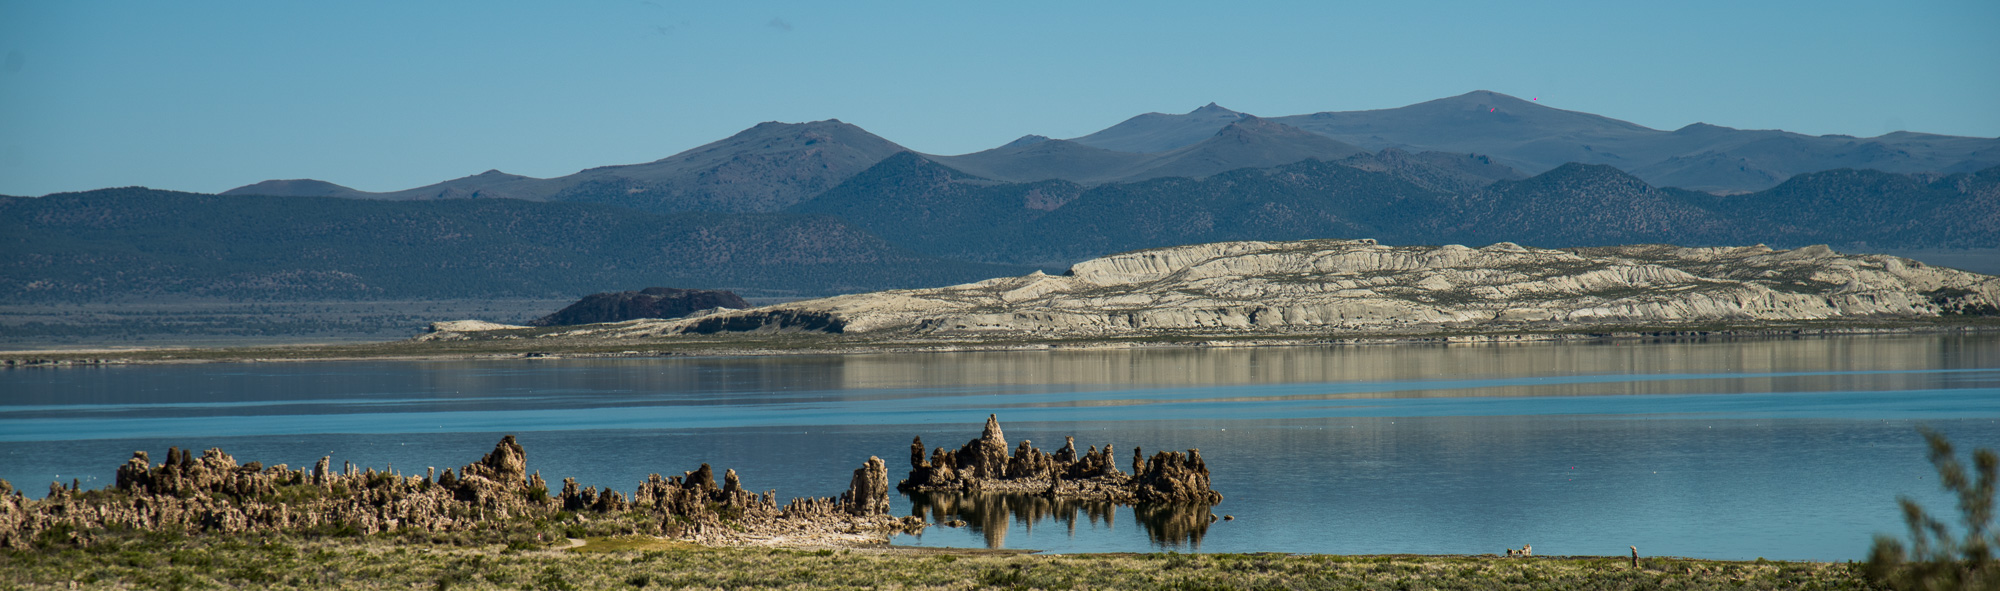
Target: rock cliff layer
1331	285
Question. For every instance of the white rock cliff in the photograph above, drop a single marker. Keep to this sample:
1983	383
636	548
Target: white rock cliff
1328	285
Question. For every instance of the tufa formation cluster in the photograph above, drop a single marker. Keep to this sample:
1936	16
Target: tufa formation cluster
984	465
213	493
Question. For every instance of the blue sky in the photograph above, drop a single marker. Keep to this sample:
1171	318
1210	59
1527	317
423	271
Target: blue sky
206	95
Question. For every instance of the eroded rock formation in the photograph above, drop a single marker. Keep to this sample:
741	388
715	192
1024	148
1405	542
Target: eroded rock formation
868	493
1171	477
213	493
984	465
1348	285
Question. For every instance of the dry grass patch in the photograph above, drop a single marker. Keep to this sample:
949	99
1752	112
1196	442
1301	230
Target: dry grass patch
633	544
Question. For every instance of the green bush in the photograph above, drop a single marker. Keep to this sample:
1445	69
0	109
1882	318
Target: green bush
1934	559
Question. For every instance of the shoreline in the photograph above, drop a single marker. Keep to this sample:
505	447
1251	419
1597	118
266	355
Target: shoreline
546	344
603	563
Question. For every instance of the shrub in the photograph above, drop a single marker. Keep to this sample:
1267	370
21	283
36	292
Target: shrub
1934	560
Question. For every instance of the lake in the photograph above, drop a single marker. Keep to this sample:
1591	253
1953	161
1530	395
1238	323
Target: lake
1734	449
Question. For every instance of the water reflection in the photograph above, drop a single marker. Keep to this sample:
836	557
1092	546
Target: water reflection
1746	365
1435	370
991	515
1837	377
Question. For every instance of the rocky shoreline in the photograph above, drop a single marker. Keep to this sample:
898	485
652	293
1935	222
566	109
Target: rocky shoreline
495	497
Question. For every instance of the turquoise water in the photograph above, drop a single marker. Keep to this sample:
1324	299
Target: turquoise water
1785	449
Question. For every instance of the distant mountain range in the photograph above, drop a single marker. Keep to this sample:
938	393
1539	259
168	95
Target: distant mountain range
825	207
1535	138
910	222
774	165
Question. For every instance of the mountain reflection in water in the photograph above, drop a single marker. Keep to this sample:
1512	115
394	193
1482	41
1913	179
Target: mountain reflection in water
1168	526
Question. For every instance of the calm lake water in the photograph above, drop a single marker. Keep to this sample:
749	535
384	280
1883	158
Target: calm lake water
1785	449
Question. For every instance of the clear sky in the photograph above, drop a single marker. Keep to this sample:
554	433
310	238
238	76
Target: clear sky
206	95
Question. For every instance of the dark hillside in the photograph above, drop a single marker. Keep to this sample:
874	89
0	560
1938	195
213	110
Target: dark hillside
1874	207
1310	199
142	243
1437	171
925	206
1579	205
1400	198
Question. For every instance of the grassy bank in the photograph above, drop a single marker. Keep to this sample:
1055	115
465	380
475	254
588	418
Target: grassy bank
172	562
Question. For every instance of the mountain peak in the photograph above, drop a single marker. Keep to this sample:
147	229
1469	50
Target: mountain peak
1160	132
490	176
295	188
1214	109
780	126
1486	95
1699	127
1026	140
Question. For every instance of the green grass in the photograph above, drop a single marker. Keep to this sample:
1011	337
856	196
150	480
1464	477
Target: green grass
280	562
